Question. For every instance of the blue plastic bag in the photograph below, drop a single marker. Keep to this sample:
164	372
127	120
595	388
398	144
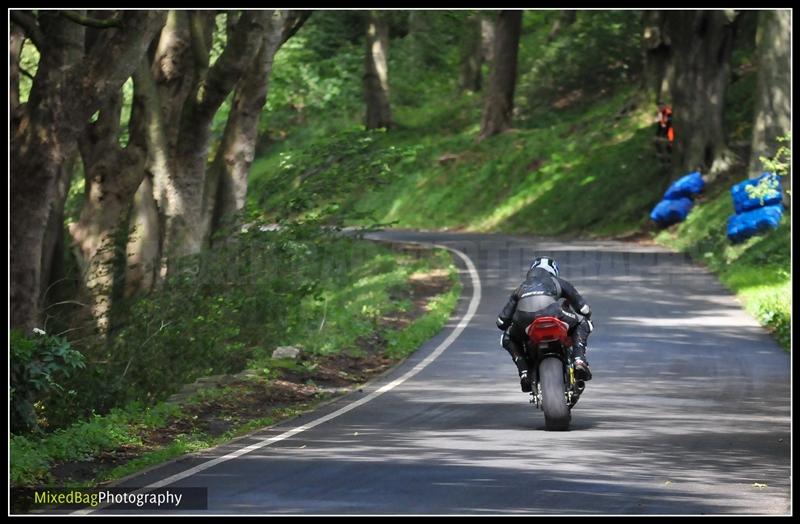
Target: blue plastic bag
744	225
668	212
685	187
742	201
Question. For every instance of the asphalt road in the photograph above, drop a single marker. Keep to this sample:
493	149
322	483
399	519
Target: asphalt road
688	412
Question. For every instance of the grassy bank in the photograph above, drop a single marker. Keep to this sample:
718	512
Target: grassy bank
757	270
375	309
556	176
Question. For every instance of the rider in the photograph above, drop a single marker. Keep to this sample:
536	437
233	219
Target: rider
538	296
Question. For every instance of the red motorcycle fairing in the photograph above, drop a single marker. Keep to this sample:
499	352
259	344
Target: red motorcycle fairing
549	329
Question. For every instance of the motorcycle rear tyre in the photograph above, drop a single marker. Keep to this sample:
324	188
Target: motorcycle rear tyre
554	403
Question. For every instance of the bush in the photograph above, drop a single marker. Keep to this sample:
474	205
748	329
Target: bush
217	312
774	315
38	363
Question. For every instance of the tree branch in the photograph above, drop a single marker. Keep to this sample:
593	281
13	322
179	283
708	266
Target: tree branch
293	24
114	21
200	50
228	68
30	25
26	73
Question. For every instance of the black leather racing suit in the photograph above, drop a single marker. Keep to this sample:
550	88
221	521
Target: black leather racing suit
538	296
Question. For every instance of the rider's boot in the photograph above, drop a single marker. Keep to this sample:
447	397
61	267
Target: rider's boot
582	371
519	360
524	377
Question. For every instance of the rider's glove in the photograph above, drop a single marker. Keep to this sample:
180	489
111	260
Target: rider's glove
586	311
502	323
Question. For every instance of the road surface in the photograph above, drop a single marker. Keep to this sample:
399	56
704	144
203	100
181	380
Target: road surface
688	412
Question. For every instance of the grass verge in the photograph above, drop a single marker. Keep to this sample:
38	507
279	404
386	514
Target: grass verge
757	270
397	298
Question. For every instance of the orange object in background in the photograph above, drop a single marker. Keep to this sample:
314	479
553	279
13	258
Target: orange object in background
665	123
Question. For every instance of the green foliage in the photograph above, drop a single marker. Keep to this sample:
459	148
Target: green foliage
32	457
214	310
781	163
518	181
234	305
767	187
318	69
125	116
354	288
402	343
29	64
773	313
435	174
323	183
425	63
598	52
219	37
38	364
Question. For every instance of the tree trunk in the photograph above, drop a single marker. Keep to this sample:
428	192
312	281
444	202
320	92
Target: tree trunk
164	93
417	29
184	191
144	242
773	112
487	39
376	73
235	155
112	176
566	19
65	93
15	40
471	75
702	44
53	242
658	71
172	69
499	105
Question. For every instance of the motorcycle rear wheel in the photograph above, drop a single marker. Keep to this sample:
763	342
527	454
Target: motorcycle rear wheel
554	403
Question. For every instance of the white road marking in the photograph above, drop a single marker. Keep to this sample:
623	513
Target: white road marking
462	324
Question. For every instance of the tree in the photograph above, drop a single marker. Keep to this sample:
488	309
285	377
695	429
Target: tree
702	42
499	104
228	175
376	72
53	243
68	88
773	112
487	39
112	175
171	66
659	69
183	209
471	76
16	39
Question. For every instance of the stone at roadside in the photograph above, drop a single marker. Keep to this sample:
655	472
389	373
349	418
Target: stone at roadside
286	352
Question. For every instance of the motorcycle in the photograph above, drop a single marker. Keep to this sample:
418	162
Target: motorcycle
555	388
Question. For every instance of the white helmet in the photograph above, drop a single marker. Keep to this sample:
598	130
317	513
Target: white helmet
546	263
